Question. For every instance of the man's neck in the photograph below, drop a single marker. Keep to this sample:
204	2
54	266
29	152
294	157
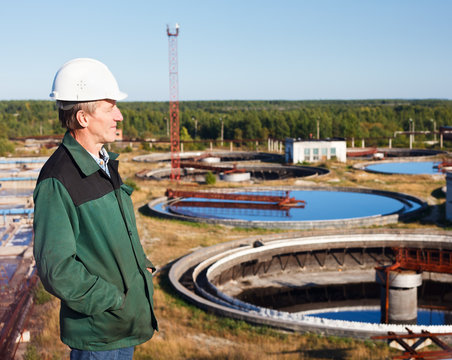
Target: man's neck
87	142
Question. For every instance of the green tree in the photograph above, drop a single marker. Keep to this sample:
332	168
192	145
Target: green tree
184	135
211	179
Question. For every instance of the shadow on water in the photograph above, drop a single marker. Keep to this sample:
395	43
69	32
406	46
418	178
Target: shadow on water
144	210
438	193
434	214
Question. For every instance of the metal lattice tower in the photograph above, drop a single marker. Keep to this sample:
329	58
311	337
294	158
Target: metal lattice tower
174	102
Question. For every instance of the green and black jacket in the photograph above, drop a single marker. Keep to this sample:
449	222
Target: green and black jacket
88	252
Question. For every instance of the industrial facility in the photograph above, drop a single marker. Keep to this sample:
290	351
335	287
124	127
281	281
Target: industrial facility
17	270
344	262
329	259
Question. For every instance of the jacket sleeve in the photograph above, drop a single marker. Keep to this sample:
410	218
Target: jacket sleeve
147	262
56	229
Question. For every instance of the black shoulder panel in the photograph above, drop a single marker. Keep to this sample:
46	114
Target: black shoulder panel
80	187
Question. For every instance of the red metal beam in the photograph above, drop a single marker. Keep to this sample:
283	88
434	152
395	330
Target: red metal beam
432	260
234	205
282	200
411	352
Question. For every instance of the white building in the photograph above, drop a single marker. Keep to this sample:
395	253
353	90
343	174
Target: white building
315	150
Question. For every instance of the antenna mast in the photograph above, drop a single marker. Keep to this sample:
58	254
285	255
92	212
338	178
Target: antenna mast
174	103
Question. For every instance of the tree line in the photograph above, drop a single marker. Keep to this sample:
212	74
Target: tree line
278	119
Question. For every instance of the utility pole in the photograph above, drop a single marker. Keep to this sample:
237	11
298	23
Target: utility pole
318	128
222	131
196	125
174	102
434	129
411	133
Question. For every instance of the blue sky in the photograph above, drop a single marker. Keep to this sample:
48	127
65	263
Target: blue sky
235	49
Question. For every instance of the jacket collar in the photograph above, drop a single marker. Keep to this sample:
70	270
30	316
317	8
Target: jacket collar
83	159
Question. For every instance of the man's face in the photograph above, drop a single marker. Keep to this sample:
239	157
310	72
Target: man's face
102	123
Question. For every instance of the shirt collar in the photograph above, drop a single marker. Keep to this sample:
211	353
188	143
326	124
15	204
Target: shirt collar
102	159
102	156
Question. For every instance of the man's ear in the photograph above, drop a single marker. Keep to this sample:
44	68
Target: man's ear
82	119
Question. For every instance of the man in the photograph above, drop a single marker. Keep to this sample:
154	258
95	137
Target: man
86	243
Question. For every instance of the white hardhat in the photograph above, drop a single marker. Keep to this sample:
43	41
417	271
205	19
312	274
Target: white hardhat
85	79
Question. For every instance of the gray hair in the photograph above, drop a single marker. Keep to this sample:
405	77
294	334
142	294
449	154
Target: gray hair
67	112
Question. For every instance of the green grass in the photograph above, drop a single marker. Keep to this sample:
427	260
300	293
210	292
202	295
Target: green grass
41	296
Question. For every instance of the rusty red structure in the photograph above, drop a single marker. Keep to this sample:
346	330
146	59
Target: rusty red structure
174	102
444	164
16	316
411	352
432	260
279	201
359	153
415	259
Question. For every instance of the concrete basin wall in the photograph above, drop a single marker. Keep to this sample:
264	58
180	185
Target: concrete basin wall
218	256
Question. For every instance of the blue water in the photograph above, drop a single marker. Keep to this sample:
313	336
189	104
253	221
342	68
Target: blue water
22	161
17	211
16	192
21	237
19	178
320	205
408	168
424	317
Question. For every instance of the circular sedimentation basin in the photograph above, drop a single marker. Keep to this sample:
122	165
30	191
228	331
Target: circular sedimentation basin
327	207
262	166
211	277
425	165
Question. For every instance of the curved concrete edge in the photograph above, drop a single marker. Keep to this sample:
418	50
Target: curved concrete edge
305	225
295	244
424	152
156	174
156	157
311	324
309	171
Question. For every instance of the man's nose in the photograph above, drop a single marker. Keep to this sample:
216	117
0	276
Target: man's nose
117	116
